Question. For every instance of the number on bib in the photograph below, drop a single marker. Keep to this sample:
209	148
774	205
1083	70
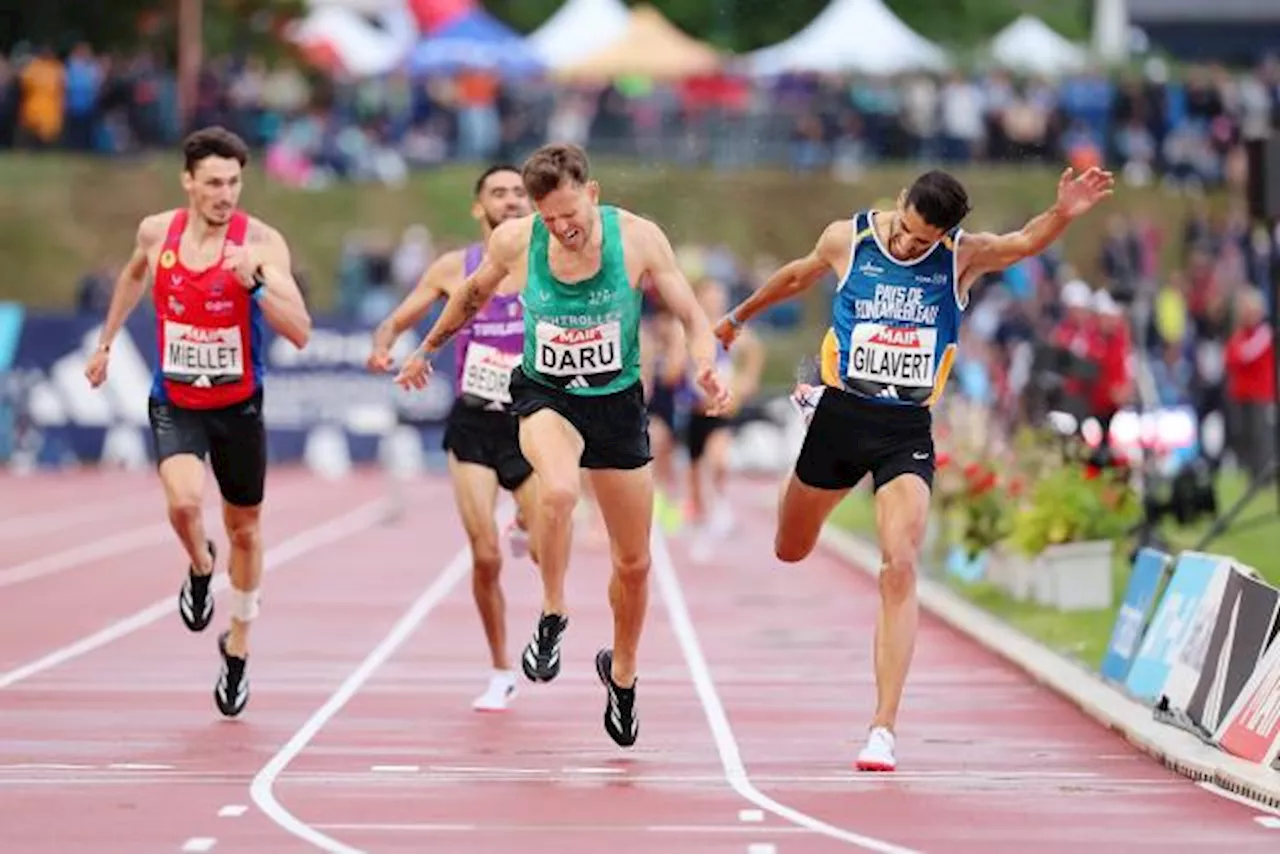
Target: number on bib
486	373
201	356
579	352
900	356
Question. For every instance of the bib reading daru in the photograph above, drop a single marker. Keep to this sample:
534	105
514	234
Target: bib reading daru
583	337
894	324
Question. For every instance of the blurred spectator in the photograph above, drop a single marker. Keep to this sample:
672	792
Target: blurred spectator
1251	384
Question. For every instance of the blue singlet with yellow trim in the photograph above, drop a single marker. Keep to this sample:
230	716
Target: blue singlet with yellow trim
894	324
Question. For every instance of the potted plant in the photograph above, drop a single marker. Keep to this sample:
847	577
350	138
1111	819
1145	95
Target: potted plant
1069	527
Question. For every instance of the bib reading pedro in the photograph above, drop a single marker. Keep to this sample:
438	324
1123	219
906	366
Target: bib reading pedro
582	337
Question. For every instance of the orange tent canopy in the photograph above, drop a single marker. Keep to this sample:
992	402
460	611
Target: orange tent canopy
651	46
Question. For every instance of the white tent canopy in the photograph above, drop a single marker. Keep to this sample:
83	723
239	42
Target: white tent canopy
860	36
578	29
365	38
1032	46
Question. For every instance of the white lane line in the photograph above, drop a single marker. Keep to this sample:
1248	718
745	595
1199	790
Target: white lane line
302	543
232	811
96	549
261	790
31	525
751	816
199	844
727	746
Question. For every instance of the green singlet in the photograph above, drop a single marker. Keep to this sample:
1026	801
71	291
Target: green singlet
582	337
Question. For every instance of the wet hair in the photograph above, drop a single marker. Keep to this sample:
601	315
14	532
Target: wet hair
940	200
551	166
213	141
490	172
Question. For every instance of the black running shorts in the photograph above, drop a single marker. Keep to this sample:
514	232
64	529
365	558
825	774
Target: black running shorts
850	436
233	438
490	439
700	429
614	427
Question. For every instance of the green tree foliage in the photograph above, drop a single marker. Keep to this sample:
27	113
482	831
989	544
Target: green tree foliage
229	25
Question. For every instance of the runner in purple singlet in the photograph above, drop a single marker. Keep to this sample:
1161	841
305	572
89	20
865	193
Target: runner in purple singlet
481	436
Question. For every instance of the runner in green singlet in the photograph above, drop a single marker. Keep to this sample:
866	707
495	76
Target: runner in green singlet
578	393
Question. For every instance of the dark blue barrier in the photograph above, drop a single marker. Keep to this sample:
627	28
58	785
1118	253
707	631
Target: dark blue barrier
56	418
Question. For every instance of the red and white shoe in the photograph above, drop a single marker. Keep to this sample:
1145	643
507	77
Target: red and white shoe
878	754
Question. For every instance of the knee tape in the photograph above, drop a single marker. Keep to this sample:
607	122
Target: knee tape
244	605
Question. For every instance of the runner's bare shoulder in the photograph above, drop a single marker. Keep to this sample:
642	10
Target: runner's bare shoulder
152	229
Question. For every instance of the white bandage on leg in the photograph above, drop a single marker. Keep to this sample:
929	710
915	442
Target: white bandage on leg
244	605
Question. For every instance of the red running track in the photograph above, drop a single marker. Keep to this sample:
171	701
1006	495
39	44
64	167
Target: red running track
755	686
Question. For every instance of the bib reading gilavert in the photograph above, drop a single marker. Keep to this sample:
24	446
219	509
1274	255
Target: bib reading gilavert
582	337
895	324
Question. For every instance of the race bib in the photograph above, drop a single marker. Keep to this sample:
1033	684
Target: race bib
892	356
579	352
486	373
201	356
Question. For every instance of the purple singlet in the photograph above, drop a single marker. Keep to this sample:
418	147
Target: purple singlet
489	346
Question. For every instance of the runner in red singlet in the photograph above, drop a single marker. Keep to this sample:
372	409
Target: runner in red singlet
218	275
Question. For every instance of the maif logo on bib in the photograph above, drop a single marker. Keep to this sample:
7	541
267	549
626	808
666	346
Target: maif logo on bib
892	355
486	373
192	353
591	352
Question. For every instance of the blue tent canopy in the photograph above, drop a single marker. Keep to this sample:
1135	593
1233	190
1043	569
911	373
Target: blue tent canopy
475	40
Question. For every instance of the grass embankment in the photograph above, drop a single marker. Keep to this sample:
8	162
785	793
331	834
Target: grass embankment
62	216
1084	635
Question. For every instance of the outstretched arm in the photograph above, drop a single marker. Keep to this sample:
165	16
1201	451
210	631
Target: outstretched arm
280	297
795	277
436	282
983	253
466	301
130	284
676	293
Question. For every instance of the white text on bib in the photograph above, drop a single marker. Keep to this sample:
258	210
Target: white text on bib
892	355
486	373
578	352
202	356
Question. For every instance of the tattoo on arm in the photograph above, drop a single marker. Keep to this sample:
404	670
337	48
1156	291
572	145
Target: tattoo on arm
448	324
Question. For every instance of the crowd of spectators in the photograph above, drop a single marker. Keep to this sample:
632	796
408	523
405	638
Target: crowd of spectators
1180	125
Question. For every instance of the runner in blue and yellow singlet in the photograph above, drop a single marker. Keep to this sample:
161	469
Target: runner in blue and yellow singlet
578	392
905	277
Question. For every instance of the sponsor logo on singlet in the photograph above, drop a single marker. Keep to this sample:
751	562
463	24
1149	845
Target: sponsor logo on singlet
202	356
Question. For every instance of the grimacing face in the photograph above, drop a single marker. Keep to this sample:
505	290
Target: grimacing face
502	197
569	212
910	236
214	186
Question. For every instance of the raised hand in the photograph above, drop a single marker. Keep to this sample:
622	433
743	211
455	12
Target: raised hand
1077	195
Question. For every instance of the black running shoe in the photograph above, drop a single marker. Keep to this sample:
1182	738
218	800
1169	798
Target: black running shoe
620	718
232	691
541	659
194	602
